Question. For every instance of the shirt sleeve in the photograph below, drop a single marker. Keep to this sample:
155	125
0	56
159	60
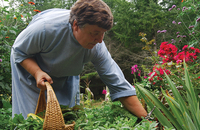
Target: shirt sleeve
111	74
29	42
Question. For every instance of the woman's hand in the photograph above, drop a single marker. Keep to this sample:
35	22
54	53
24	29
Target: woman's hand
40	76
132	104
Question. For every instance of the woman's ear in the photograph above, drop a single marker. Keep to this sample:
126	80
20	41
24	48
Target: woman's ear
75	25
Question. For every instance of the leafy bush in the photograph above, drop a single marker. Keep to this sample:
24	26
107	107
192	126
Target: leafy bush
177	100
107	116
184	109
12	21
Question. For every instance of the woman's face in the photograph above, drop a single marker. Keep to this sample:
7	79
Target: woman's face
89	35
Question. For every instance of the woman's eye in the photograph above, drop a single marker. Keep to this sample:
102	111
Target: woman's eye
94	34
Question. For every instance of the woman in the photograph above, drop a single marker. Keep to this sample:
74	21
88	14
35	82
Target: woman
55	46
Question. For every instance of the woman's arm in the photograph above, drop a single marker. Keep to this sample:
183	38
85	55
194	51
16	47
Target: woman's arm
40	76
132	104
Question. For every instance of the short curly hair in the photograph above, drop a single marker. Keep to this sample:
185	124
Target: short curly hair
93	12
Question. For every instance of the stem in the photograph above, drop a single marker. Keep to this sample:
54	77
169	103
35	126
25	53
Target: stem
186	26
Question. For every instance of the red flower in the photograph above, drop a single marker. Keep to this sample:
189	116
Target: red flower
159	72
7	37
21	16
167	52
36	10
32	3
185	47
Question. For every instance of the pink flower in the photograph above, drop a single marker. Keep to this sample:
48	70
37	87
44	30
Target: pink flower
134	69
198	20
179	61
104	92
145	77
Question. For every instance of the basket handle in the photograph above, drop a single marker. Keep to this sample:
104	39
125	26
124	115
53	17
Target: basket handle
41	104
53	118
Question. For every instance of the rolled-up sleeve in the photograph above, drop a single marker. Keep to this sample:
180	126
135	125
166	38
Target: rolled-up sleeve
29	42
111	74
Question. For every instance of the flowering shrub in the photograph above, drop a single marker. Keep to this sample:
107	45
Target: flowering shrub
170	75
185	45
184	28
172	60
156	77
12	21
169	53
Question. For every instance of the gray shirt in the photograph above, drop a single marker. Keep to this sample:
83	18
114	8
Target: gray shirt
49	39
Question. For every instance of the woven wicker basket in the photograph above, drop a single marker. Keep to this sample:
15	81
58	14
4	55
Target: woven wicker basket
53	118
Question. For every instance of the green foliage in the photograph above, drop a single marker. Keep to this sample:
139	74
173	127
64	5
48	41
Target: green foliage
5	117
184	112
18	122
147	126
187	13
88	76
12	21
131	18
42	5
107	116
180	107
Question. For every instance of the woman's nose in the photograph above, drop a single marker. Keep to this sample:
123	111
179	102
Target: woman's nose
99	38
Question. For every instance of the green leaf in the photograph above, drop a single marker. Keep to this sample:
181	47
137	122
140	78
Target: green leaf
13	32
177	95
1	77
175	109
18	118
6	104
189	122
189	85
2	85
152	101
8	16
192	99
89	116
4	33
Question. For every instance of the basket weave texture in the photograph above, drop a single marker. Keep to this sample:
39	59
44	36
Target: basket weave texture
53	118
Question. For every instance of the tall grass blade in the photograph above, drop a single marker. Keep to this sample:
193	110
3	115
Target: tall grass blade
189	85
181	82
174	108
190	124
177	95
152	101
192	99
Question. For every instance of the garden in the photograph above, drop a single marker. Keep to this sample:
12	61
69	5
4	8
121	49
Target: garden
167	79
